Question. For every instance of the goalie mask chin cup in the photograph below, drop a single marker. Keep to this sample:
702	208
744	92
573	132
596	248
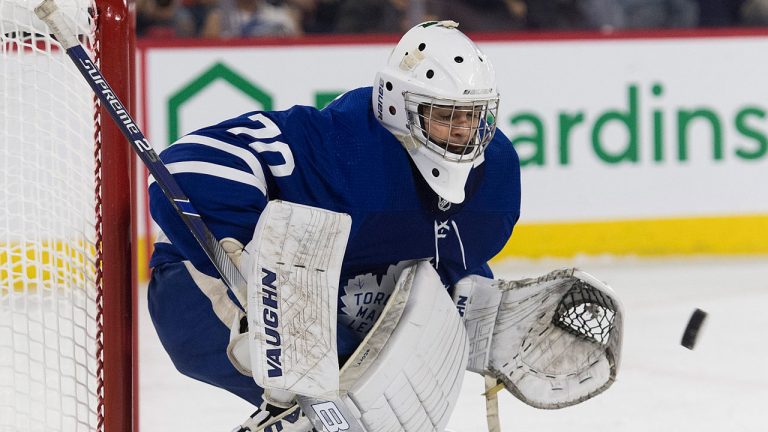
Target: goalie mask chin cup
436	66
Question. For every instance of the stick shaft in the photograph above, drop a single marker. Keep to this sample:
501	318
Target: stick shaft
492	404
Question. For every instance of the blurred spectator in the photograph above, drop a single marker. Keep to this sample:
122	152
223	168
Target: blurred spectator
719	13
199	10
611	14
482	15
554	15
649	14
163	19
371	16
252	18
754	13
602	15
317	16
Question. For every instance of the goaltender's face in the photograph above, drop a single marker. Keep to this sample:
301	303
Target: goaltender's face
452	128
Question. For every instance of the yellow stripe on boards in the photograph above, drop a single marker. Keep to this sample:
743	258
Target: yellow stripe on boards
140	251
674	236
724	235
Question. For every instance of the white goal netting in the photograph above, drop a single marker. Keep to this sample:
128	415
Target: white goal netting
49	228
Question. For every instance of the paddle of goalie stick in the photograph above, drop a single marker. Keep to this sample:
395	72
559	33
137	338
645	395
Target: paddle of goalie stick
330	416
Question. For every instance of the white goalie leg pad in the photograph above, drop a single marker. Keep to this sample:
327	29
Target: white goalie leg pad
553	341
292	265
407	373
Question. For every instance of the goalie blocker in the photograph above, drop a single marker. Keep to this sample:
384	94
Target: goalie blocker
552	341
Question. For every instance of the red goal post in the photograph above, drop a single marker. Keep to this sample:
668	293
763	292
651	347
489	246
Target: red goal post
68	349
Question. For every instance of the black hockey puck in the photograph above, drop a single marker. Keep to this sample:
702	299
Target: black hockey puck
692	329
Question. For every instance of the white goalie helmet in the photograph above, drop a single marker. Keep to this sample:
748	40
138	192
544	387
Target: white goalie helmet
438	96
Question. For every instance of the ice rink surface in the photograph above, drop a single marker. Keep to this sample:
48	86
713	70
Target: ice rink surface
722	385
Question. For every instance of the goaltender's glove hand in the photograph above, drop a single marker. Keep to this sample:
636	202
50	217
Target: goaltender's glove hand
553	341
233	248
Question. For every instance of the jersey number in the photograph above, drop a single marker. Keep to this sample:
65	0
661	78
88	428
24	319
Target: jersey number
268	131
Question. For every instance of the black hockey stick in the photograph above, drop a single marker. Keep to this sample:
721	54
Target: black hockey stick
330	416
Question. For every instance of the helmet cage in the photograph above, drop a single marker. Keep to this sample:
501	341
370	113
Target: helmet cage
480	127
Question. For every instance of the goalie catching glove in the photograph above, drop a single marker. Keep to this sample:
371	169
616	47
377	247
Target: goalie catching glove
552	341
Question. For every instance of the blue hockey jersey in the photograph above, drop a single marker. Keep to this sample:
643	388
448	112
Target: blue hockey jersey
339	158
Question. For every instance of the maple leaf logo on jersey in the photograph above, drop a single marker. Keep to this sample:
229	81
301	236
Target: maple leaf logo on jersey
366	295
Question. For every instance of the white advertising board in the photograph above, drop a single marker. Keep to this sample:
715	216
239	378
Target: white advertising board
607	129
